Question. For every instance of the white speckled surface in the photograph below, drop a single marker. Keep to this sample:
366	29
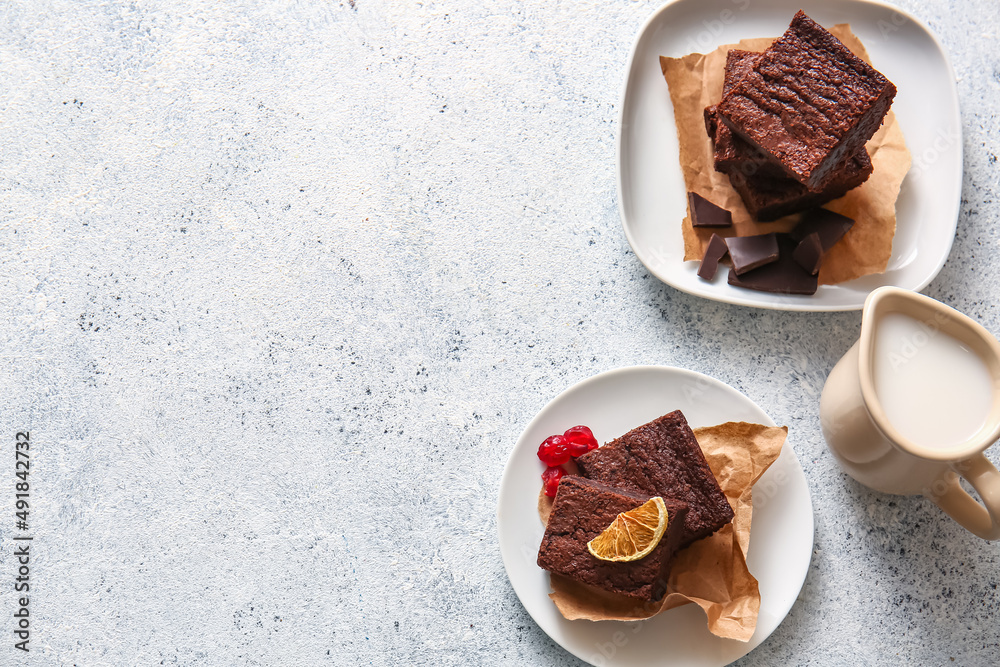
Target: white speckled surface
282	284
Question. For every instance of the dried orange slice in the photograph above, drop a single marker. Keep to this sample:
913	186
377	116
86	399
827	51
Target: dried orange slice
633	534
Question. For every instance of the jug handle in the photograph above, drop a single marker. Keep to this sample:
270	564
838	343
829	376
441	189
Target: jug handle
982	519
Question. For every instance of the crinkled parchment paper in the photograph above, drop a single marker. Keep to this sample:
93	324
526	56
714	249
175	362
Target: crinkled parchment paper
712	572
695	81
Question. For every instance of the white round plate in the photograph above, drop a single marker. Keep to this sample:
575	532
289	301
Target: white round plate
613	403
651	194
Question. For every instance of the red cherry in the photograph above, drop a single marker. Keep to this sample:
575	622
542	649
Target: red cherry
581	440
577	448
554	451
550	478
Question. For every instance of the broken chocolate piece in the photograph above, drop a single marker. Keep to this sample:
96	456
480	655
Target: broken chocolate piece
817	232
809	253
706	214
750	252
714	253
784	276
808	102
830	226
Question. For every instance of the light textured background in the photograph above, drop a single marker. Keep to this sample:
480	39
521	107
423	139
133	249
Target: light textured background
282	284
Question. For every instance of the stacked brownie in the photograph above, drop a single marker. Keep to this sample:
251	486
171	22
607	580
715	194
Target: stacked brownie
661	458
791	127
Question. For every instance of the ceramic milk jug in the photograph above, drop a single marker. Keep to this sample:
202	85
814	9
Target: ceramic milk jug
915	402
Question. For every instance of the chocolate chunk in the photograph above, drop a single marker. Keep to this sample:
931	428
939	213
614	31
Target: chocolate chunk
714	253
706	214
809	253
808	102
784	276
750	252
817	232
830	226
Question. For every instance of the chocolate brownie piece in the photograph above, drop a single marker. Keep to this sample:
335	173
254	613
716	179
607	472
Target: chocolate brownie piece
711	121
731	152
766	191
767	198
808	102
583	509
738	63
662	458
734	58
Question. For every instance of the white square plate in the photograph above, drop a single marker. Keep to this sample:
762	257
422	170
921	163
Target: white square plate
651	193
